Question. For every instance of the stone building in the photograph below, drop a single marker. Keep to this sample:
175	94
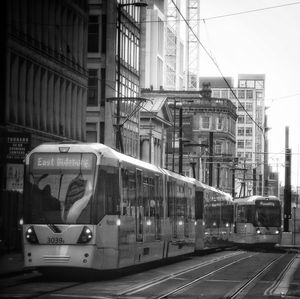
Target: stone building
208	136
43	90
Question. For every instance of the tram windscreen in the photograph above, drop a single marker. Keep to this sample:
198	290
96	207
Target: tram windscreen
268	214
59	188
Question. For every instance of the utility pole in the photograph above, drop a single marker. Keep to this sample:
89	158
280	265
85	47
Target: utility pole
180	141
254	182
210	159
287	185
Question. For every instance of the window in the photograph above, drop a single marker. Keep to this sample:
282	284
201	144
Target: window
259	95
91	132
259	84
249	94
241	119
216	93
103	34
240	144
102	81
218	148
249	106
224	93
248	144
231	94
240	131
240	154
92	88
241	107
219	123
205	122
250	83
242	83
248	131
241	93
93	34
248	155
248	119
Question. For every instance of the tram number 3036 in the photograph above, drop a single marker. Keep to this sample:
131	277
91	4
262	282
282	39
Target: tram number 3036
56	240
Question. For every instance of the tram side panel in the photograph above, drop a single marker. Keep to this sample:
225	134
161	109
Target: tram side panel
214	219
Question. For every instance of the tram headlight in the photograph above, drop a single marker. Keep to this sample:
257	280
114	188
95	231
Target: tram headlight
258	231
30	235
85	236
277	231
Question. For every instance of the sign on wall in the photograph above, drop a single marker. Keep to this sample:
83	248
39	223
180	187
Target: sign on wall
18	145
14	177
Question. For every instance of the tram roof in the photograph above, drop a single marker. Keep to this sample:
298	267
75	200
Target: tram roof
252	199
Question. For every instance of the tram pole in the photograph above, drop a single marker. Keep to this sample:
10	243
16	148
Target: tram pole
210	159
287	185
180	141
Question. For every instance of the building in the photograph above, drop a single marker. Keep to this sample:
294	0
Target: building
251	137
207	129
156	118
44	88
114	74
46	79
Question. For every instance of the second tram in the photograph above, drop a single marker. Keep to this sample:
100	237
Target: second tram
257	220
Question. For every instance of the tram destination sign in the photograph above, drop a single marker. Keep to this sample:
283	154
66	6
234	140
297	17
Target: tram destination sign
62	161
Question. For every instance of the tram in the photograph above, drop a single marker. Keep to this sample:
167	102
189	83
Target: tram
257	220
88	206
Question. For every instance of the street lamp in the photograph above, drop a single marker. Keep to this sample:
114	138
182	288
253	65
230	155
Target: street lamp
119	144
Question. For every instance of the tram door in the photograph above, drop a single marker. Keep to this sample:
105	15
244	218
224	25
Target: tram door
158	206
139	213
199	215
172	207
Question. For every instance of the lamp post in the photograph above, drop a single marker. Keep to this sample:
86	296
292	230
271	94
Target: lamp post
119	144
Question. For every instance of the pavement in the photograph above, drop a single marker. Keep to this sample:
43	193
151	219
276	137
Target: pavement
11	264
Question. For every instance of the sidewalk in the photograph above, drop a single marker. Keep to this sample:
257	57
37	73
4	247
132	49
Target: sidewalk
11	264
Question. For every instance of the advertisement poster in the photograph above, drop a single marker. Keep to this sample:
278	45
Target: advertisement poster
14	177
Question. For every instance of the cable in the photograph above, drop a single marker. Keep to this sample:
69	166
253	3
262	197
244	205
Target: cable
249	11
144	22
213	60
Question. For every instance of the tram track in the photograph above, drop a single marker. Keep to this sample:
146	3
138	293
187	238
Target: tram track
161	280
178	280
245	285
237	292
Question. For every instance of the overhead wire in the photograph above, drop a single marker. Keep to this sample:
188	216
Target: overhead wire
154	21
217	66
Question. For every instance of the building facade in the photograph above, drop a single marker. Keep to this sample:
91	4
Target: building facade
251	128
156	118
114	74
207	132
43	88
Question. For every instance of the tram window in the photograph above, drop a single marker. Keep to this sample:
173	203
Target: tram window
199	205
125	204
146	198
108	190
268	216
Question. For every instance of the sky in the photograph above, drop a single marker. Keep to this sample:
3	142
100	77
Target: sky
264	41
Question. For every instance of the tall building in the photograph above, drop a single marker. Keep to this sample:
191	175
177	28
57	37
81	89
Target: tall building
43	89
251	138
174	53
45	74
114	74
153	45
